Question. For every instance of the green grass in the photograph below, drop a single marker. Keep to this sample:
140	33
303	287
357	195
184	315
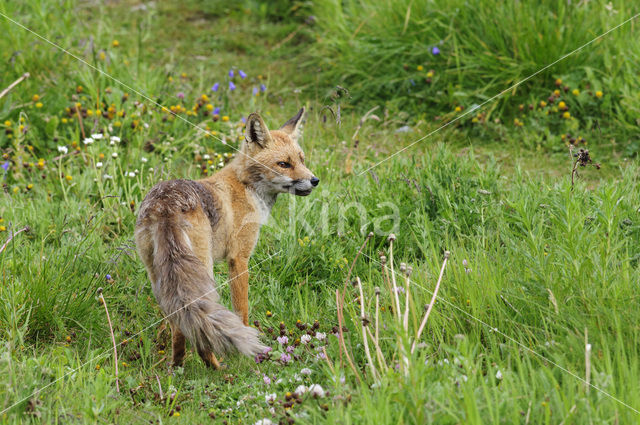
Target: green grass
535	263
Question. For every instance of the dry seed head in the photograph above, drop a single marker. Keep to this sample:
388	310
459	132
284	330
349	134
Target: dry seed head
383	259
370	235
447	254
409	270
100	290
377	291
403	268
391	237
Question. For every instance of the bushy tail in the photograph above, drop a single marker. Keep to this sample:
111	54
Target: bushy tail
186	293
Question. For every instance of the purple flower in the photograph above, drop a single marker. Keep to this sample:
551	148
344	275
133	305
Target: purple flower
180	95
266	380
435	50
242	74
291	349
5	166
108	277
215	87
232	86
216	111
267	350
231	74
244	120
255	91
282	340
263	87
285	358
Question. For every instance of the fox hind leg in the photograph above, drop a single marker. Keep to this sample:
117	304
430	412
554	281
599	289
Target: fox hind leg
210	359
178	345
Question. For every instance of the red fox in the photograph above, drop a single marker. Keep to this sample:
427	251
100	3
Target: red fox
183	226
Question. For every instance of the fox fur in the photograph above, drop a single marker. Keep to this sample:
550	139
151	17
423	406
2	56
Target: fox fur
184	226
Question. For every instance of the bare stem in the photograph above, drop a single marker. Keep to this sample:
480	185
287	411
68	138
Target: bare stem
393	282
13	235
433	301
364	331
344	345
113	338
587	360
15	83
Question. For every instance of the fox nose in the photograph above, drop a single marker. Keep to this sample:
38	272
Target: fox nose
314	181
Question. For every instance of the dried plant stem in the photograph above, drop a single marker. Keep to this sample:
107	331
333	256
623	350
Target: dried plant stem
113	338
393	281
160	388
433	301
326	358
587	360
406	305
381	362
81	125
363	322
344	346
12	85
13	235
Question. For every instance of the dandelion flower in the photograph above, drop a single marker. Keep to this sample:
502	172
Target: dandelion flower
562	105
599	94
35	97
39	105
420	68
458	109
225	118
115	43
68	177
566	115
575	92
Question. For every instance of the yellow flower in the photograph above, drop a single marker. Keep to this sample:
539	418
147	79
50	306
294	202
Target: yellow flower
562	105
458	109
430	74
556	92
7	123
30	186
97	367
205	98
209	107
79	89
558	82
115	43
89	112
183	75
176	414
420	68
117	124
575	92
225	118
102	56
161	352
566	115
64	120
35	97
16	189
39	105
68	177
598	94
543	103
3	228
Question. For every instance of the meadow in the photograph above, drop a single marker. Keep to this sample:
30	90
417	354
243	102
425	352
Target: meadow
521	212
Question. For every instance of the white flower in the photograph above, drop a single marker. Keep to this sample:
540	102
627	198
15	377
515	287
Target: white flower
206	156
114	155
143	159
131	174
88	141
301	390
498	375
264	421
63	149
316	390
98	164
115	139
306	371
270	398
107	177
112	143
221	164
305	339
321	336
97	136
136	171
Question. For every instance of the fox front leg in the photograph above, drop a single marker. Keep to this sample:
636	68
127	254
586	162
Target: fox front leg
239	283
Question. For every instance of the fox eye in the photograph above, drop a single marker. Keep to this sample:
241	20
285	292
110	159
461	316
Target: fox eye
284	164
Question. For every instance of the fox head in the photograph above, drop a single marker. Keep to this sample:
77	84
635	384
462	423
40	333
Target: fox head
275	161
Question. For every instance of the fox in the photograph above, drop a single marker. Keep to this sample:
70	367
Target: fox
184	226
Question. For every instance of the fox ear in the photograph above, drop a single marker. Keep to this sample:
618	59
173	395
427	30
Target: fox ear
293	127
257	131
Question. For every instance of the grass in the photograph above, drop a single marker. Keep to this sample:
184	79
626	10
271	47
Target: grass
536	265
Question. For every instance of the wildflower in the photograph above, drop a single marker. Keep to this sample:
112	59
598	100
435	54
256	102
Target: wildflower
216	111
305	339
562	105
290	349
458	109
575	92
599	94
305	371
266	380
68	177
209	107
232	86
114	155
498	375
558	82
420	68
35	97
115	139
556	92
285	358
97	136
39	105
270	398
63	149
282	340
263	88
242	74
430	74
29	186
97	367
102	56
435	50
300	390
225	118
255	91
107	177
115	43
108	277
98	164
316	390
143	159
321	336
231	74
566	115
131	174
7	123
264	421
88	141
5	166
180	95
215	87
